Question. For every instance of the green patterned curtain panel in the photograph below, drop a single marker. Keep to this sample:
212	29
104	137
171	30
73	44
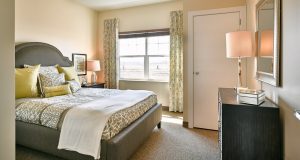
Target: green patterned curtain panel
110	52
176	62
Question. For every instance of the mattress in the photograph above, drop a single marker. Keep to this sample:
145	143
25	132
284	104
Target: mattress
50	112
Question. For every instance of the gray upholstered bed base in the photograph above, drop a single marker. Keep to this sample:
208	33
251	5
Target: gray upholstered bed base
120	147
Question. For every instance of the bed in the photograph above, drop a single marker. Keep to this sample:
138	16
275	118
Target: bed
118	147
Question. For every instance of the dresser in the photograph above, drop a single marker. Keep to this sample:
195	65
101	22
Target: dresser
248	132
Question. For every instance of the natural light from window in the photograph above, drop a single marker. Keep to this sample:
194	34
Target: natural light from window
145	58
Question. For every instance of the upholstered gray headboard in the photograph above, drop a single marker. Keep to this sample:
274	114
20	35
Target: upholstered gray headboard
39	53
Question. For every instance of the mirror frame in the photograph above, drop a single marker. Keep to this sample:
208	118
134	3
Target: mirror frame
272	79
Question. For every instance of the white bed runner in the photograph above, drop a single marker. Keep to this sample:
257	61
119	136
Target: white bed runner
83	125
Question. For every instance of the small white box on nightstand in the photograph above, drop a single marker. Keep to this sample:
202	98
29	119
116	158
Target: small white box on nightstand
254	97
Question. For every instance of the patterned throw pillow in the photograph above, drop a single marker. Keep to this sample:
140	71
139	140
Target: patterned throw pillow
50	80
74	85
48	70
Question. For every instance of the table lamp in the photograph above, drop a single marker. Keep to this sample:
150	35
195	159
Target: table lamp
94	66
239	45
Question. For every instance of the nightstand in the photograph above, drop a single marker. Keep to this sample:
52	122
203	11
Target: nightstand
96	85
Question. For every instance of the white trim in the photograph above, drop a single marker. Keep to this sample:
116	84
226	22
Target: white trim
191	15
146	60
142	80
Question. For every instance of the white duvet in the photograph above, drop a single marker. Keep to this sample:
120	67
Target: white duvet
83	125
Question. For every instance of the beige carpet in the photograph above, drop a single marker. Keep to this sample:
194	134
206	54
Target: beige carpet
171	142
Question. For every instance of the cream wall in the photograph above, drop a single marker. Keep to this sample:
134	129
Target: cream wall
141	18
196	5
7	79
69	26
287	96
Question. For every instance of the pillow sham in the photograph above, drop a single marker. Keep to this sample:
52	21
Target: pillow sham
74	85
70	73
26	82
57	90
45	69
50	80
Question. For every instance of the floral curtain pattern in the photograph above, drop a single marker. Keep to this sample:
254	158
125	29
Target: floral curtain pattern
110	52
176	62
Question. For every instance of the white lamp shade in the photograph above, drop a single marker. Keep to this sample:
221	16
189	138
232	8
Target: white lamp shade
239	44
93	65
266	43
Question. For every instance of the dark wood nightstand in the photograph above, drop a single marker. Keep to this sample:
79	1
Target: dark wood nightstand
95	85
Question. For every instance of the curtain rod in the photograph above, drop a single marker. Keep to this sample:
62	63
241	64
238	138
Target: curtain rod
145	31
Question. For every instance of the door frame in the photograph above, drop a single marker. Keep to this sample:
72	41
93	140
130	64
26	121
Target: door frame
191	15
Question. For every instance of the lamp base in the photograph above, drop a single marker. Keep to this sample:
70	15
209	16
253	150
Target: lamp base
239	85
93	78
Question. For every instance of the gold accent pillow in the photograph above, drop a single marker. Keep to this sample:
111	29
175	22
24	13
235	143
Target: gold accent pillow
26	82
70	73
57	90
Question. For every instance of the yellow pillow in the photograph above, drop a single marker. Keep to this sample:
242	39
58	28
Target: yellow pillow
70	73
57	90
26	82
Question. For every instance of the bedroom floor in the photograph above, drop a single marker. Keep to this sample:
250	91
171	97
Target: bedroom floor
171	142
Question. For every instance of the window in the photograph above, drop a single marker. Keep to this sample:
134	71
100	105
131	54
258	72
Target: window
144	56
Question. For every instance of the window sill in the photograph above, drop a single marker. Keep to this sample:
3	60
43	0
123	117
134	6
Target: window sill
143	80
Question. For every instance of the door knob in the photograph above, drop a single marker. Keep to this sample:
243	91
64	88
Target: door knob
196	73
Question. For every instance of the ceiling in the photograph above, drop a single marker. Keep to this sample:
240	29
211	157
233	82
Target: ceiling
117	4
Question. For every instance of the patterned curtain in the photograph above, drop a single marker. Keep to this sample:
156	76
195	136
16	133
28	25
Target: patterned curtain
176	62
110	52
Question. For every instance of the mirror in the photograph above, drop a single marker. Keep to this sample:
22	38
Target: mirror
268	41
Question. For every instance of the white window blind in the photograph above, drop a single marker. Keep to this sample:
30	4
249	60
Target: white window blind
144	56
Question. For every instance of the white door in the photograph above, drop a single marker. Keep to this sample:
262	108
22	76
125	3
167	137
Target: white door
211	67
